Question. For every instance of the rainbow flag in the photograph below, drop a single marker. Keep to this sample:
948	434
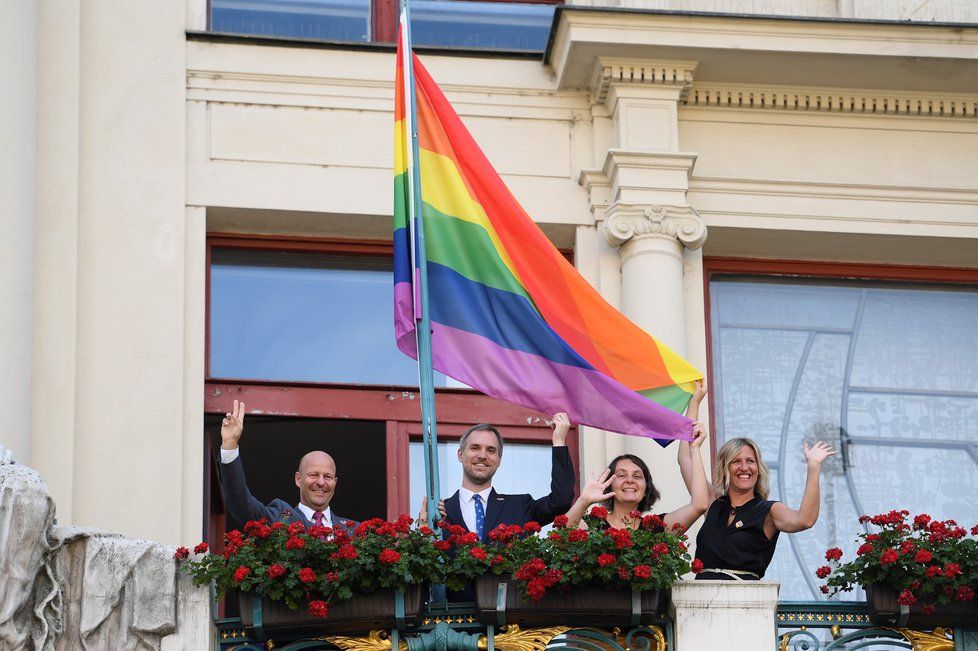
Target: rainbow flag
510	316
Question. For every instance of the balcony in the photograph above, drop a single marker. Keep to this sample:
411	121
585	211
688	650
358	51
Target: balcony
700	615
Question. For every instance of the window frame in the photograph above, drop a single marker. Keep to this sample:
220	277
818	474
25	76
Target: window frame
397	406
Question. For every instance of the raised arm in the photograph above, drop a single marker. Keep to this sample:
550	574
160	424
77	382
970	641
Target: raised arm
561	496
684	456
788	520
699	489
594	491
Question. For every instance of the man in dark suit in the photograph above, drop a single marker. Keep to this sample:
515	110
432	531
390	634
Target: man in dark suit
478	506
315	479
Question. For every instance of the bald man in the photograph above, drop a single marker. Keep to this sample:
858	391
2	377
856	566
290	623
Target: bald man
315	479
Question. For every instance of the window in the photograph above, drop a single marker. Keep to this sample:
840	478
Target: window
302	331
506	25
887	372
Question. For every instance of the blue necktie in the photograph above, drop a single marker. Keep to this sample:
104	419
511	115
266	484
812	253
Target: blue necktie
480	516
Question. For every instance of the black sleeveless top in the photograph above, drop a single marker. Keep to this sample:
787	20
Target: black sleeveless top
741	545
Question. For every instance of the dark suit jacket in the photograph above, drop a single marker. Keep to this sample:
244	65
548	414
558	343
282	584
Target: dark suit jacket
520	509
243	506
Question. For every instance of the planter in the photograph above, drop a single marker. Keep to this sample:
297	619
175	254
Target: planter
885	611
499	602
360	613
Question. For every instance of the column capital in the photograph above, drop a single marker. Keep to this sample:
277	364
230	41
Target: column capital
623	222
639	73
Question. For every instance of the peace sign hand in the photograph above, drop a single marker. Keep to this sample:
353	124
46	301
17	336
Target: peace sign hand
232	426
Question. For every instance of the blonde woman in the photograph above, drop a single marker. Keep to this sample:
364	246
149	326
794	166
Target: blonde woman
741	528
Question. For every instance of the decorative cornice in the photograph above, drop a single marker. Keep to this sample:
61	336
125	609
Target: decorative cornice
624	222
607	71
832	100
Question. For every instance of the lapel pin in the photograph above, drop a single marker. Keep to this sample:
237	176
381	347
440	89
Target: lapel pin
739	524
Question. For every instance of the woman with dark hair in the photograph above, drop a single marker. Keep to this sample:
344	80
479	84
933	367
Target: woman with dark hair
632	489
740	533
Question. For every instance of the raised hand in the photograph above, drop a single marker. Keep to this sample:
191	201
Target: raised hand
594	490
699	435
699	391
423	514
232	426
818	453
561	425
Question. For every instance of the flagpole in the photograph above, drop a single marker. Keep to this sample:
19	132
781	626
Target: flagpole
422	315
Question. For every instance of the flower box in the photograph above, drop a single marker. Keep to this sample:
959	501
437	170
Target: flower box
582	605
885	611
363	612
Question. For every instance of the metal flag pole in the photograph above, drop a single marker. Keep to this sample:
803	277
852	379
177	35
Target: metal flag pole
422	315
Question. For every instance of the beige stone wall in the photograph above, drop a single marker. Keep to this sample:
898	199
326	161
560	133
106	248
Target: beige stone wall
148	140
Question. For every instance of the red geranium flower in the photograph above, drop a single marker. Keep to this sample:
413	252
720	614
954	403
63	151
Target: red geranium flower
865	548
660	549
906	598
923	556
442	545
965	593
560	521
241	573
952	570
318	608
889	556
201	548
932	571
577	535
599	512
297	527
307	575
531	527
697	566
604	560
833	554
642	571
275	571
823	571
295	542
181	553
477	553
497	559
921	521
389	556
346	552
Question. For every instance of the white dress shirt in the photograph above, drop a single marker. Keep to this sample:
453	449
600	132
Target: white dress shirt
467	504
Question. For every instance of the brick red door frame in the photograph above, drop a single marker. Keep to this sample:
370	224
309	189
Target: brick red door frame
814	270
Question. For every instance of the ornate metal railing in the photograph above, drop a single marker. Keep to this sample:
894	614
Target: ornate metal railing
456	628
838	626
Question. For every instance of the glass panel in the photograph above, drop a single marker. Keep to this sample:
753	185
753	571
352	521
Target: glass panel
305	317
486	25
327	20
525	468
886	373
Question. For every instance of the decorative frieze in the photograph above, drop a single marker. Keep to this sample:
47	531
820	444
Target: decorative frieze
607	71
624	222
832	100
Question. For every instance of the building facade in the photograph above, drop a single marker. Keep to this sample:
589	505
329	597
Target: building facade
785	193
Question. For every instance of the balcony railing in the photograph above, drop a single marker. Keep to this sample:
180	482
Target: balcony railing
730	615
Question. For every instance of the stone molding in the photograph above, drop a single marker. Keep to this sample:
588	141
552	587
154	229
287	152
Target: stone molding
624	222
659	73
831	100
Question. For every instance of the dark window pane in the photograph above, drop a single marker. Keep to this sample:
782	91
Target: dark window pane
487	25
305	318
327	20
272	447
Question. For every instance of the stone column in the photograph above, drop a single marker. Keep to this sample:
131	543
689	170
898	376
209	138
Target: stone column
724	614
18	73
638	201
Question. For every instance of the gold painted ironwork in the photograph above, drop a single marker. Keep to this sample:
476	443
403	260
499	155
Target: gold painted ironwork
373	641
657	635
517	639
941	639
